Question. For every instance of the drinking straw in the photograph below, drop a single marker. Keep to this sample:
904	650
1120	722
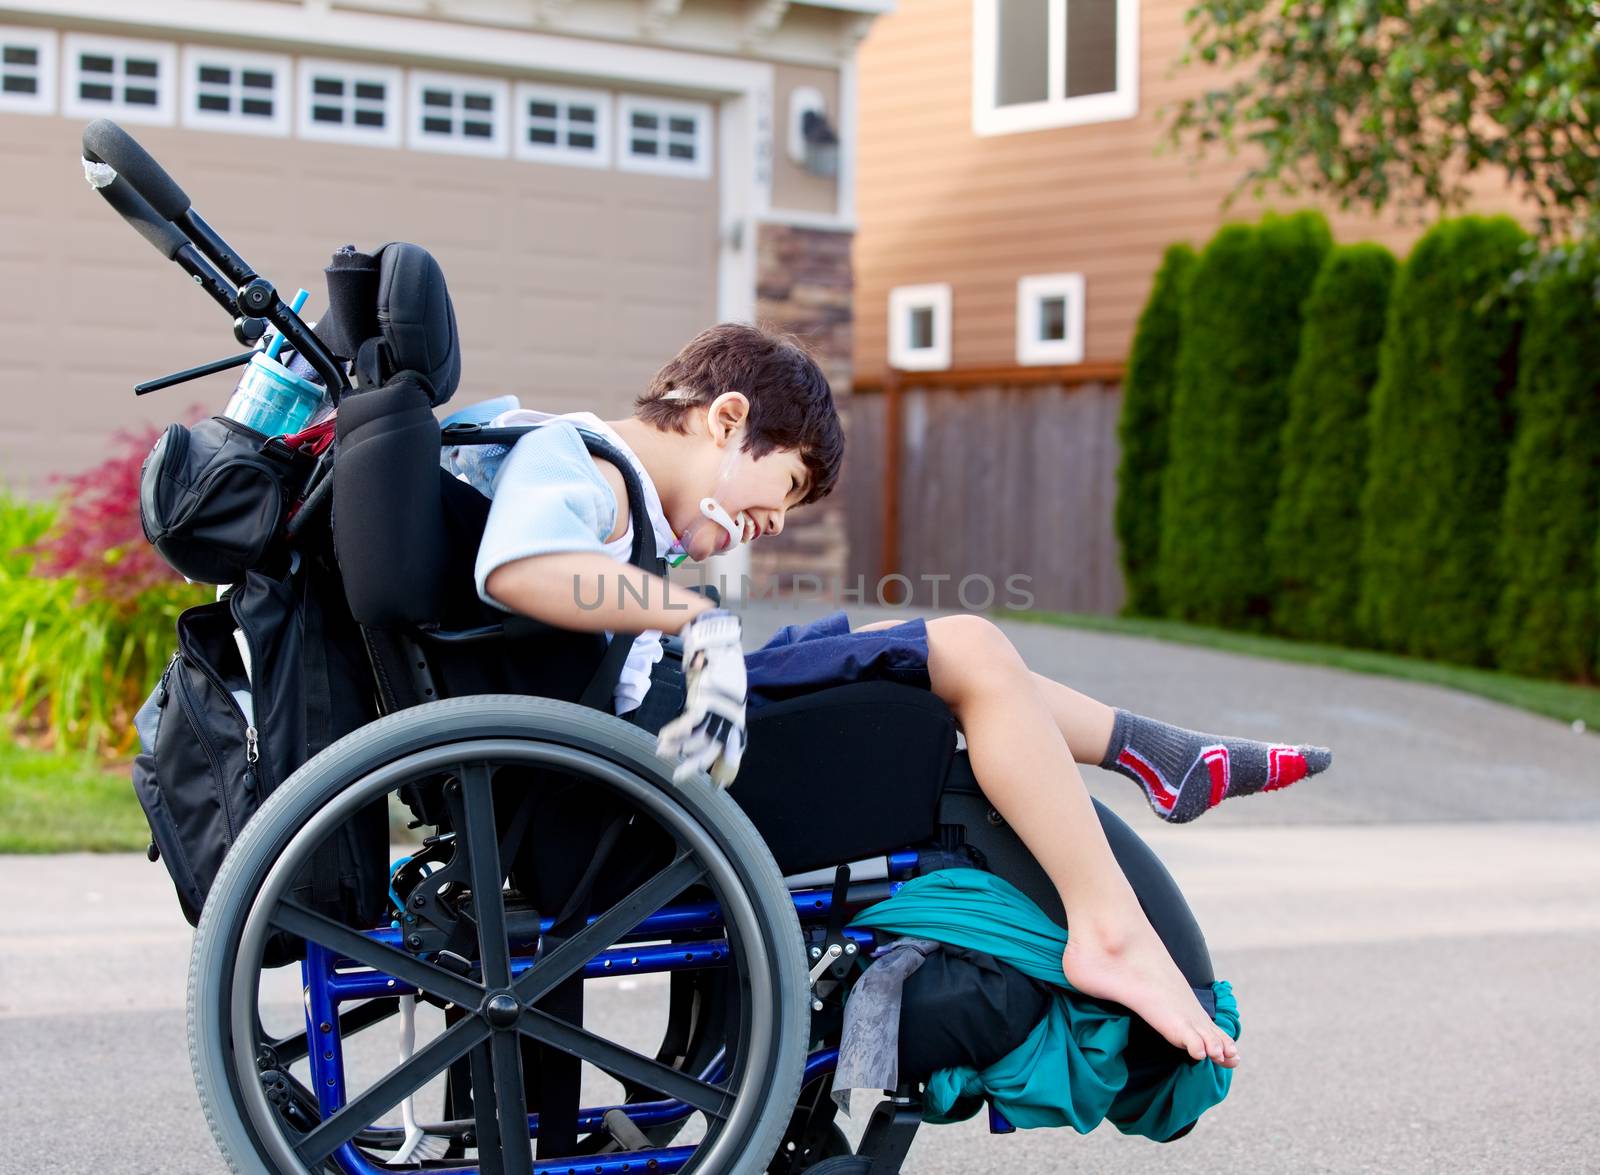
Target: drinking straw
276	345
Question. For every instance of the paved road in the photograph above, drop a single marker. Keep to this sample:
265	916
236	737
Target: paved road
1415	941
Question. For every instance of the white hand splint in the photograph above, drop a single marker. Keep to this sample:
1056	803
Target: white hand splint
709	735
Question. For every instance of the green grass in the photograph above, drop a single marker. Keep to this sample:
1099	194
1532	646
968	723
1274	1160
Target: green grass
64	803
1553	699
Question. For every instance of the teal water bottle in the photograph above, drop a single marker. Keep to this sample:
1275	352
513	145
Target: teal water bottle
272	399
269	397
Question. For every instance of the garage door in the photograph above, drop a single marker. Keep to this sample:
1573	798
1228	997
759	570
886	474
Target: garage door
572	284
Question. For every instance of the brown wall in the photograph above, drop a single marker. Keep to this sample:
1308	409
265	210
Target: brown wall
937	203
803	286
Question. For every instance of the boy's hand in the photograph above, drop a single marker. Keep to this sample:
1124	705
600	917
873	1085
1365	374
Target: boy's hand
709	734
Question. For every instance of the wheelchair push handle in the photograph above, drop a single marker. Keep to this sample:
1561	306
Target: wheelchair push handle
142	192
106	142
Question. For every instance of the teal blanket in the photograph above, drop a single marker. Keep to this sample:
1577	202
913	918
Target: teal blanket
1073	1069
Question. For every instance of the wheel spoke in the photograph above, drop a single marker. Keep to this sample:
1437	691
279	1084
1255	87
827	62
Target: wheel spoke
509	1103
623	1063
352	944
566	959
483	860
403	1079
290	1049
485	1124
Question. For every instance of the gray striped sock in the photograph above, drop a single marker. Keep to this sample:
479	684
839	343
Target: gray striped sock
1185	773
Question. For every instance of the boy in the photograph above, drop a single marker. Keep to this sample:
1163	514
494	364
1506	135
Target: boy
733	433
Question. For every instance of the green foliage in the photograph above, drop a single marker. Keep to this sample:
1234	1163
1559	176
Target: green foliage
1241	332
1440	433
1146	411
1381	102
75	659
1314	541
59	803
1549	616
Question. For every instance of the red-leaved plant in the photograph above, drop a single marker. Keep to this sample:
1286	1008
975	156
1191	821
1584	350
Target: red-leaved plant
97	537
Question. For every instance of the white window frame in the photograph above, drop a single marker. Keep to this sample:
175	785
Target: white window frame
698	167
163	113
345	132
902	301
235	122
1056	110
1031	294
43	43
497	145
559	152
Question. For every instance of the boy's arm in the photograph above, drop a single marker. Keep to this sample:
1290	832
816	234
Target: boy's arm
590	592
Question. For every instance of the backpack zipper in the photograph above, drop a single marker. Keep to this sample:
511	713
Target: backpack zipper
187	701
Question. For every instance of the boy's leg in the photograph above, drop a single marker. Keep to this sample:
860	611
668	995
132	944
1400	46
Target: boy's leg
1022	762
1183	773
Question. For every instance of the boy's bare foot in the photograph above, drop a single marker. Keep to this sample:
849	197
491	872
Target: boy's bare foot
1135	970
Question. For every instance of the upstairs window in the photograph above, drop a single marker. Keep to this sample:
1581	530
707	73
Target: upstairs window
346	102
462	114
226	90
663	136
132	81
1050	318
1053	63
27	70
919	327
556	124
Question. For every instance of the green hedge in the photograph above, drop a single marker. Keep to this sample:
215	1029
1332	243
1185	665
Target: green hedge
1440	433
1547	624
1142	431
1314	542
1241	332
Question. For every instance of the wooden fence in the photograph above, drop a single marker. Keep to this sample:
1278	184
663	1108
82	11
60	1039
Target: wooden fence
1005	479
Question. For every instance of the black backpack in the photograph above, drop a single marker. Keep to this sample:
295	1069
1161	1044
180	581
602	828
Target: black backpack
217	740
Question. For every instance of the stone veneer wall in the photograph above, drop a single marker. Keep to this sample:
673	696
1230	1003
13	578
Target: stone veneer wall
804	286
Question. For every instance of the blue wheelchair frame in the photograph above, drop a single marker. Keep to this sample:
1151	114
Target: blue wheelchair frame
328	984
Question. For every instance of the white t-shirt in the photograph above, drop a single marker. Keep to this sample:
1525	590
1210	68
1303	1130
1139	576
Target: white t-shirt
549	498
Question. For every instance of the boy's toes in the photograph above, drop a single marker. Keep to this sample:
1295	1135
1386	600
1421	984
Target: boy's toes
1318	759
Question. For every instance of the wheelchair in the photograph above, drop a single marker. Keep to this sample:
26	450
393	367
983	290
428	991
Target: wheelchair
551	863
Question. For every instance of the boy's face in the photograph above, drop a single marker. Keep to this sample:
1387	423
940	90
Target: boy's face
762	489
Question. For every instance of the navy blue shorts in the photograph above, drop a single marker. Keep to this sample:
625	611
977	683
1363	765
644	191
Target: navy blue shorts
800	659
803	658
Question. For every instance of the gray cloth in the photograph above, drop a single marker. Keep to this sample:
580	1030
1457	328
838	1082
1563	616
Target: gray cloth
869	1046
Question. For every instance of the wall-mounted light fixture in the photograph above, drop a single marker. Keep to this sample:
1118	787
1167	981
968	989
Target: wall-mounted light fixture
813	142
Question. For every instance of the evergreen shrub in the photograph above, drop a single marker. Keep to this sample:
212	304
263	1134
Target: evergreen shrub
1142	430
1240	335
1314	542
1548	621
1440	431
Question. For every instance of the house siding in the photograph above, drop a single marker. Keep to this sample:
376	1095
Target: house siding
938	203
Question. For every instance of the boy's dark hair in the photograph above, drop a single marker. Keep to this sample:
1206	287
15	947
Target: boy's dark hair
791	405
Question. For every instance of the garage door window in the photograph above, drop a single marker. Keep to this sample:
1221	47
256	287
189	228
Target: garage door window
461	114
557	124
129	80
230	91
671	138
27	70
344	102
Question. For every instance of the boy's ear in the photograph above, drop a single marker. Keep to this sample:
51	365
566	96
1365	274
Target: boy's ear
727	412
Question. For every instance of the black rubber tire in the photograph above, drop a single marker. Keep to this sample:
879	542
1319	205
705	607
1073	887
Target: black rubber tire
215	955
841	1165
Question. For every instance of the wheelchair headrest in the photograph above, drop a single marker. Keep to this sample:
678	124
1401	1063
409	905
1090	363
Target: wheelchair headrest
390	312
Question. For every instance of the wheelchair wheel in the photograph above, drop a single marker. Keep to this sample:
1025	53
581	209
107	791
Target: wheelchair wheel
479	750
